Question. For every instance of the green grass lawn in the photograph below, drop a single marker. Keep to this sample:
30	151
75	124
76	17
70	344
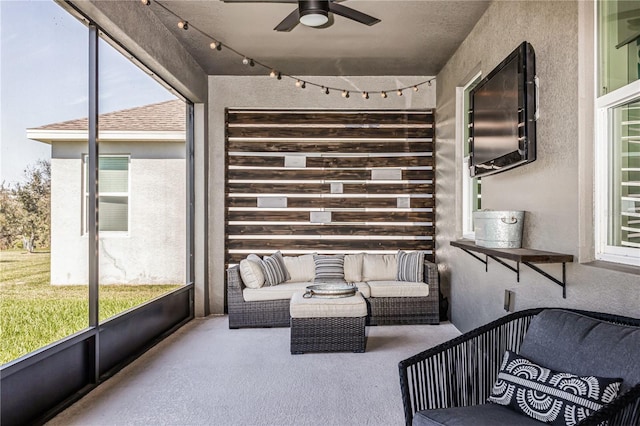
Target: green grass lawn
34	313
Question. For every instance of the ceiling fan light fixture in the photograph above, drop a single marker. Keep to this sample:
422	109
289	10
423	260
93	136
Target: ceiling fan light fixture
314	18
313	13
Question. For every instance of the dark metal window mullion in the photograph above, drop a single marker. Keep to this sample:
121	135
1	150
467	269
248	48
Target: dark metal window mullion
190	198
92	170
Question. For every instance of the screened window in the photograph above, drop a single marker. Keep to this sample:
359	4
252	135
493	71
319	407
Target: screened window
618	135
471	187
113	199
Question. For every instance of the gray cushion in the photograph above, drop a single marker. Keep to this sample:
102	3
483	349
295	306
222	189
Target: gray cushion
477	415
575	343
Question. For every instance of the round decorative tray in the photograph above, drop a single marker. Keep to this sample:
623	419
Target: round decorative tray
330	291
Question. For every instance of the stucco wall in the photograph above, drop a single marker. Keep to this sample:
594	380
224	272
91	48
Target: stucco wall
266	92
558	204
153	251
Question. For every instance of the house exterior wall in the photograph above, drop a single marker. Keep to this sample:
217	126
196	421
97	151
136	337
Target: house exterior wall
267	92
153	251
555	190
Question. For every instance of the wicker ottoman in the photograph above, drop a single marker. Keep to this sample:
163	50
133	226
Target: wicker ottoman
328	325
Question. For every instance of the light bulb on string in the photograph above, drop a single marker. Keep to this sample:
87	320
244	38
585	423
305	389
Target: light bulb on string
429	83
399	92
383	94
184	25
245	60
415	88
215	45
251	63
272	74
298	83
279	75
345	94
303	85
365	95
146	2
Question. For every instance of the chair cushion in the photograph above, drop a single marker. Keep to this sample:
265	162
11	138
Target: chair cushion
398	289
329	267
550	396
353	267
410	266
379	267
276	292
575	343
477	415
300	268
275	272
316	307
251	272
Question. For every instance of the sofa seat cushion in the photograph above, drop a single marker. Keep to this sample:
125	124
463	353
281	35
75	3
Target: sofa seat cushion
276	292
316	307
398	289
477	415
584	346
363	288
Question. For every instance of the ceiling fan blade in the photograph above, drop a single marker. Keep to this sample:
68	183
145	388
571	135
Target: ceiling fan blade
347	12
289	22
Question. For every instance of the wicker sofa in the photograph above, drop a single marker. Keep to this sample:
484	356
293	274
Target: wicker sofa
451	383
381	310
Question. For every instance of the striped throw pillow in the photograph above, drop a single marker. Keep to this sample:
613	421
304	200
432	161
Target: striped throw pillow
275	272
410	266
329	267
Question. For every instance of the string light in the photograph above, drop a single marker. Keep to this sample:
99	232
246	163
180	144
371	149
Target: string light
214	44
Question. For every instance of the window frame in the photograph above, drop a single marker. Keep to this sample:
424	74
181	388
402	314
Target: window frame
106	194
467	181
603	127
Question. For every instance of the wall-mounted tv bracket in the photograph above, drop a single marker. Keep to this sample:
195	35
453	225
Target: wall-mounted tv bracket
521	255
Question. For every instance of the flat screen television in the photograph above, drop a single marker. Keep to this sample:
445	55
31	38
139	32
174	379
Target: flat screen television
503	115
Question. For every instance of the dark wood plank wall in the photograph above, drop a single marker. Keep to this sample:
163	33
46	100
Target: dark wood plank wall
347	181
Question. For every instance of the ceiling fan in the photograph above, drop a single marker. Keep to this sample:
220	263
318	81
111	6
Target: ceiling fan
314	13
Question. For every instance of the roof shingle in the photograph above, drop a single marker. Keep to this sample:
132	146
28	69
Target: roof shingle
164	116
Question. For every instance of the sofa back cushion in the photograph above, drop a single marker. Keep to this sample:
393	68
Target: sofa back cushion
568	341
353	267
379	267
300	268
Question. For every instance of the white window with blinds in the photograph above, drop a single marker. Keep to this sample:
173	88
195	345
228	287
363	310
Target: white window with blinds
113	193
617	147
618	176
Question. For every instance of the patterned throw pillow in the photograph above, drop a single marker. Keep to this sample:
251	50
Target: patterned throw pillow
329	267
410	266
547	395
275	272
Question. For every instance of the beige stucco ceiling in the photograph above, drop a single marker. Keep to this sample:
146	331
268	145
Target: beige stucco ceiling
414	38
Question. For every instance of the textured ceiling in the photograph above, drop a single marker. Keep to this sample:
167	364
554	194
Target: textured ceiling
414	37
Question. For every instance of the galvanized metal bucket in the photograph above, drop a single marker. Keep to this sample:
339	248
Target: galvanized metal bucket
498	228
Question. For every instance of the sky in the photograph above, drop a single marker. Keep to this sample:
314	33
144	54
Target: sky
44	79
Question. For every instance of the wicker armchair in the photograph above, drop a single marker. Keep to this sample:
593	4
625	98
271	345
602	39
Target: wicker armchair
461	372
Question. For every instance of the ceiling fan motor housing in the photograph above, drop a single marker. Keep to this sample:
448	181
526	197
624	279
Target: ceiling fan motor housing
313	12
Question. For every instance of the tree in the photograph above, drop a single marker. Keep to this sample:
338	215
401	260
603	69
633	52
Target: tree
9	217
26	210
